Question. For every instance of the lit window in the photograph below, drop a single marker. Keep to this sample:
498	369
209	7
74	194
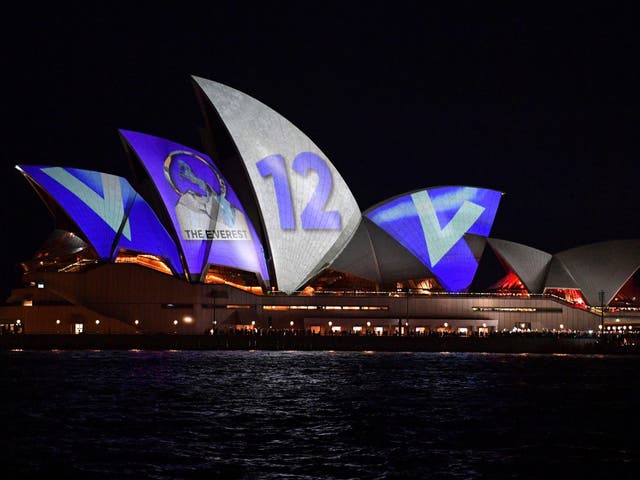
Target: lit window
149	261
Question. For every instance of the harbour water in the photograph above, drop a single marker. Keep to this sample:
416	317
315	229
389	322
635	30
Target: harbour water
107	414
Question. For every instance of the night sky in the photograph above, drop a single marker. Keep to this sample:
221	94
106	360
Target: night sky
538	103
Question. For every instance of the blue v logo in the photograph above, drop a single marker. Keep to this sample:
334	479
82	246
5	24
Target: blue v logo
440	240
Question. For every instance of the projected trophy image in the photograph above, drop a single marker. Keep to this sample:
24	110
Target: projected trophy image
203	211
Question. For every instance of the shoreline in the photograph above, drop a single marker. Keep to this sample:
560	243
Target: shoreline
503	343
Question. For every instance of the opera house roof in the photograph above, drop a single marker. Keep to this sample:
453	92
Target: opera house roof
263	199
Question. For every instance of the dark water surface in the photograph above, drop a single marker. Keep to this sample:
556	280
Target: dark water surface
317	415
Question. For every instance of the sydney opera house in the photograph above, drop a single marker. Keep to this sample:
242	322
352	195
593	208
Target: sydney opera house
257	229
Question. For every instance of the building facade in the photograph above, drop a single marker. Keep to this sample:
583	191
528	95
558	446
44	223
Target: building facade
260	231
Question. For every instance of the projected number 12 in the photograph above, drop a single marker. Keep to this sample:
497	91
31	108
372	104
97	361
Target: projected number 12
314	216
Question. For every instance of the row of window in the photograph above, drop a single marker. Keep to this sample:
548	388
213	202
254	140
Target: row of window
325	307
283	307
518	309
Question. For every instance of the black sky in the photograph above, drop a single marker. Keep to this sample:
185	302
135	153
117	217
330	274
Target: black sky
539	103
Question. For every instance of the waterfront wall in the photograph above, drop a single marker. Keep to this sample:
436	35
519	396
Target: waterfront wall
448	343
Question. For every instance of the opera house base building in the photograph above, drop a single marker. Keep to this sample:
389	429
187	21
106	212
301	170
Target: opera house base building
258	233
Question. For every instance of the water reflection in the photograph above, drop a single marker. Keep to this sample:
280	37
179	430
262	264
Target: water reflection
238	414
